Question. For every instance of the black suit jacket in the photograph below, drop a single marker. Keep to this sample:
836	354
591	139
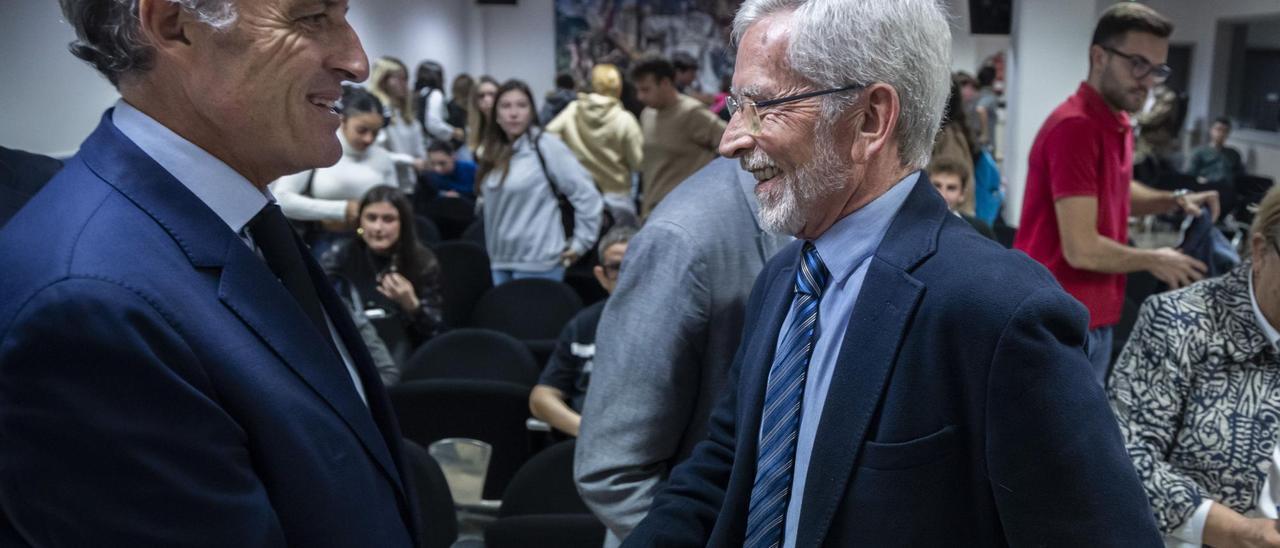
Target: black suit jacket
962	411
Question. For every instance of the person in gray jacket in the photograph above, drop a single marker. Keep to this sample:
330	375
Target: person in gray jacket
520	173
666	339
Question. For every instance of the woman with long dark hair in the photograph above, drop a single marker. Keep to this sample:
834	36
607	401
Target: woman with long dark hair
430	103
521	173
387	275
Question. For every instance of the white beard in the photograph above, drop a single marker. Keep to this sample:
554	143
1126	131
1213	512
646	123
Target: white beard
786	207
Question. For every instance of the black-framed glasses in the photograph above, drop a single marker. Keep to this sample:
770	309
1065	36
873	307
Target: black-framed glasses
1140	67
751	109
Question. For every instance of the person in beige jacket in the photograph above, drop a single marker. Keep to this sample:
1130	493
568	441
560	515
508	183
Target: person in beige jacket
606	139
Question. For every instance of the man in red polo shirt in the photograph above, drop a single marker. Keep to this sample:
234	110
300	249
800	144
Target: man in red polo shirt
1080	188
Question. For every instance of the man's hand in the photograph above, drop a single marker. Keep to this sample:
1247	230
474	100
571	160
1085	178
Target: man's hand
1175	268
1256	532
1193	201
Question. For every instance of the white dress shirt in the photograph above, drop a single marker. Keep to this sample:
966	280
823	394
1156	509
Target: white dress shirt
228	193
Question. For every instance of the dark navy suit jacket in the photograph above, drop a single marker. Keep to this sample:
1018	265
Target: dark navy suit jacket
962	411
160	387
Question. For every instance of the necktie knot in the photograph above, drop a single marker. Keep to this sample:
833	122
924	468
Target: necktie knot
813	275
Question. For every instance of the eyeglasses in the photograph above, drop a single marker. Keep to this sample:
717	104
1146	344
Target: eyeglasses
751	109
1140	67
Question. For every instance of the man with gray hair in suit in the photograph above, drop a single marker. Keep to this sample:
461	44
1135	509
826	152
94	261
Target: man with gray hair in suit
666	340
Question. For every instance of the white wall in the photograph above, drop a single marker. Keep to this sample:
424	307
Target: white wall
51	100
415	30
520	43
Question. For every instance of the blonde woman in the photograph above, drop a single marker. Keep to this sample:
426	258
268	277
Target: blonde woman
402	136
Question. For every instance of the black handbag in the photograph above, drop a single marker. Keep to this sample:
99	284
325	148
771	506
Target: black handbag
566	207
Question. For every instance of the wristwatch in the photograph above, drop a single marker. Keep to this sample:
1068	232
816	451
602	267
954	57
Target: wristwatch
1179	195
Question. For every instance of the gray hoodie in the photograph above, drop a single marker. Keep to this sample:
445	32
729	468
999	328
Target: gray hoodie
522	229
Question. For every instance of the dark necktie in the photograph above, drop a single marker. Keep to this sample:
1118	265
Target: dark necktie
780	421
275	238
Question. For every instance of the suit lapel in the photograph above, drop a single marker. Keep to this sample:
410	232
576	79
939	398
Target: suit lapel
880	320
246	285
759	358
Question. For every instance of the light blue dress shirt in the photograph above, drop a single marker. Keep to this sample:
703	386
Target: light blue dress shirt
231	196
846	249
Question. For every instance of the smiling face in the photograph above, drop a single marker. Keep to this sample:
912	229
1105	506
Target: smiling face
261	94
380	226
795	158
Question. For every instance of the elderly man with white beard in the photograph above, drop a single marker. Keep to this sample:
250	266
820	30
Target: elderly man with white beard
902	380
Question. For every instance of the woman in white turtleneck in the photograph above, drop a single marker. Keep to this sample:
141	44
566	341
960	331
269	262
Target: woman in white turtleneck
331	195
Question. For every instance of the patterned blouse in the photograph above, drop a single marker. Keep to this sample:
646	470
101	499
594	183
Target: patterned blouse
1197	394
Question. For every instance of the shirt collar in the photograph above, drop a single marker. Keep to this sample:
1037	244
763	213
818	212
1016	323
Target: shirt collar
1273	336
852	239
228	193
1098	109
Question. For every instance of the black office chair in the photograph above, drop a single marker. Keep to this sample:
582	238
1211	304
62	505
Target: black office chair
464	278
437	518
476	354
427	231
474	233
1249	192
488	411
452	215
541	506
532	310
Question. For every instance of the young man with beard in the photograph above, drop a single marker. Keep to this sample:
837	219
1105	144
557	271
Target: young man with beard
878	398
1080	188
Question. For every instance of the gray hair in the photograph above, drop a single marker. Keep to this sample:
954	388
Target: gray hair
903	43
619	234
109	36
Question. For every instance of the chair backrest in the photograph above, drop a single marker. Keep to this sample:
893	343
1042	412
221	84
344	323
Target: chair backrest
428	233
464	278
437	519
1249	191
474	233
476	354
452	215
528	309
544	485
489	411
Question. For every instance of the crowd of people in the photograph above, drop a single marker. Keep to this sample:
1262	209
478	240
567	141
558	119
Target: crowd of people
812	334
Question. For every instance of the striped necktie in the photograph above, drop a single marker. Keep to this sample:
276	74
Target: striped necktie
780	423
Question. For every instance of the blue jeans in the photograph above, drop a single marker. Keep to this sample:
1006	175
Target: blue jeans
1099	349
503	276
